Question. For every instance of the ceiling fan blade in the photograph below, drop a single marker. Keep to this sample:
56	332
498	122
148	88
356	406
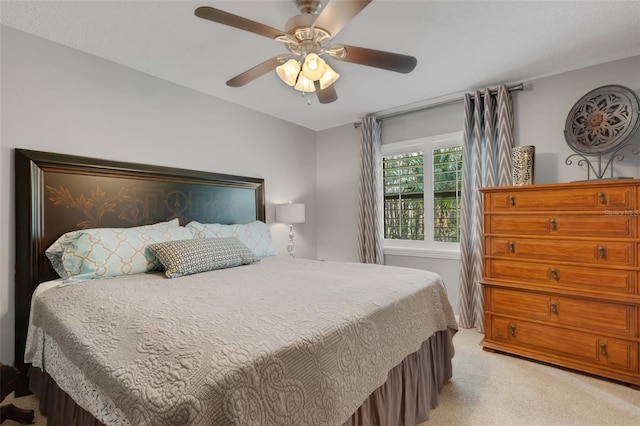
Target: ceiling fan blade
226	18
337	14
327	95
255	72
375	58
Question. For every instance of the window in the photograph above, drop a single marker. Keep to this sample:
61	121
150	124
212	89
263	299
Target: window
422	180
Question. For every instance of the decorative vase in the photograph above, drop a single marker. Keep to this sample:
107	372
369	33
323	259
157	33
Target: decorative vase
522	161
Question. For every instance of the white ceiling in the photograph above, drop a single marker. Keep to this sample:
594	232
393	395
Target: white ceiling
460	45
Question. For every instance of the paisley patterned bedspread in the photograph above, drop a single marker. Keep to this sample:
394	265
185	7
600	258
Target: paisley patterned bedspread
282	341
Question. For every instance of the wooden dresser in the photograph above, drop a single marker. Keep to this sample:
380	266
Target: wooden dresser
562	275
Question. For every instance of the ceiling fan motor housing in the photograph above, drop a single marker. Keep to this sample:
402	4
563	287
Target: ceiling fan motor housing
304	21
308	6
310	39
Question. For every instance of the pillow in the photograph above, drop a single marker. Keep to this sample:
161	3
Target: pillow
111	252
255	235
186	257
56	250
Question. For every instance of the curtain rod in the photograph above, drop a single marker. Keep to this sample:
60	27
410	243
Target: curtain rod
454	100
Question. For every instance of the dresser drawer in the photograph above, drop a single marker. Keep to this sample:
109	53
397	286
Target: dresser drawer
580	251
593	198
606	352
567	277
585	314
569	225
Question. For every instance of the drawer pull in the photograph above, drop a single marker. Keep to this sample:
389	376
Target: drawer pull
602	197
554	308
602	252
603	350
512	331
554	274
512	247
512	200
553	224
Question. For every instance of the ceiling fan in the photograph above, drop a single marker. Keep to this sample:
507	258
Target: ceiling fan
308	36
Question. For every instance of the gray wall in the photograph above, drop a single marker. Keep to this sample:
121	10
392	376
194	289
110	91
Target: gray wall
540	112
60	100
338	163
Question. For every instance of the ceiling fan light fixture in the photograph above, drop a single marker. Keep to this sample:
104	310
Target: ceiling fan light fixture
328	78
314	67
307	36
288	72
304	84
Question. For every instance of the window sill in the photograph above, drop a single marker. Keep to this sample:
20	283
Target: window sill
452	254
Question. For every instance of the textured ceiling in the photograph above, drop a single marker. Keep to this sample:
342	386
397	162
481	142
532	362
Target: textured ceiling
460	45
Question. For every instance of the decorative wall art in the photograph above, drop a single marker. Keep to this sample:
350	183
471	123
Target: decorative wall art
601	123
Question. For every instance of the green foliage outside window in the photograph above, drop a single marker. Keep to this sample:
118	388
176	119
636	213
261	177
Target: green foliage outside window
403	177
447	184
403	180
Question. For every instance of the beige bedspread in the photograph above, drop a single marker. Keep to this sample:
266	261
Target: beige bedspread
287	342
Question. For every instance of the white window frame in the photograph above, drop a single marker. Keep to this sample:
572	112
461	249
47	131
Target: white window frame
427	247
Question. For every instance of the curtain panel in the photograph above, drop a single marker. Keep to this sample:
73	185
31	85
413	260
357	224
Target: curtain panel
370	233
487	146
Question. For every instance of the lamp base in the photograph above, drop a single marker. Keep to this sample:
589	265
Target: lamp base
291	248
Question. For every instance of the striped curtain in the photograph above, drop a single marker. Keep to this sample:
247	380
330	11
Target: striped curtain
488	141
370	234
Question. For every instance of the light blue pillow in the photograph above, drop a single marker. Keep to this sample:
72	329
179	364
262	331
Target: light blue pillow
255	235
111	252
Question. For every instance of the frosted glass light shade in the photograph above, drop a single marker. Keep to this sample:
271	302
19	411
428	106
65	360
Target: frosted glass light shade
288	72
290	213
304	84
328	78
314	67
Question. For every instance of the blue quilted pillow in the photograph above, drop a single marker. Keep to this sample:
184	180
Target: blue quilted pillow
111	252
255	235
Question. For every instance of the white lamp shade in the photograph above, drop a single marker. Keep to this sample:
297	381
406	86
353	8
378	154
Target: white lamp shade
313	67
329	77
290	213
289	71
304	84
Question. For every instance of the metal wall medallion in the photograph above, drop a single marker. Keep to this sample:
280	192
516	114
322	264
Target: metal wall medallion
602	120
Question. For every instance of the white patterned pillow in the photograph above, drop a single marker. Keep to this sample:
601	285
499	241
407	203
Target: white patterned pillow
186	257
255	235
111	252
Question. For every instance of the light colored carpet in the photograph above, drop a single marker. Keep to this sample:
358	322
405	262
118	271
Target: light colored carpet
490	389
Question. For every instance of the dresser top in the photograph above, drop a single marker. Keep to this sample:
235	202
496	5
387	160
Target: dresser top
566	185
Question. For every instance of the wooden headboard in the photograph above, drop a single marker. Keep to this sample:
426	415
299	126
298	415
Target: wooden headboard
57	193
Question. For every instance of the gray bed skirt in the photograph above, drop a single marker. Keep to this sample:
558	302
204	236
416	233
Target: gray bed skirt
405	399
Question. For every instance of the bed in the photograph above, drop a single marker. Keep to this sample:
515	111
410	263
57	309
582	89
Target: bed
272	340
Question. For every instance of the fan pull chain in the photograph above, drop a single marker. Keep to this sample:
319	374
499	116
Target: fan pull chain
304	95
